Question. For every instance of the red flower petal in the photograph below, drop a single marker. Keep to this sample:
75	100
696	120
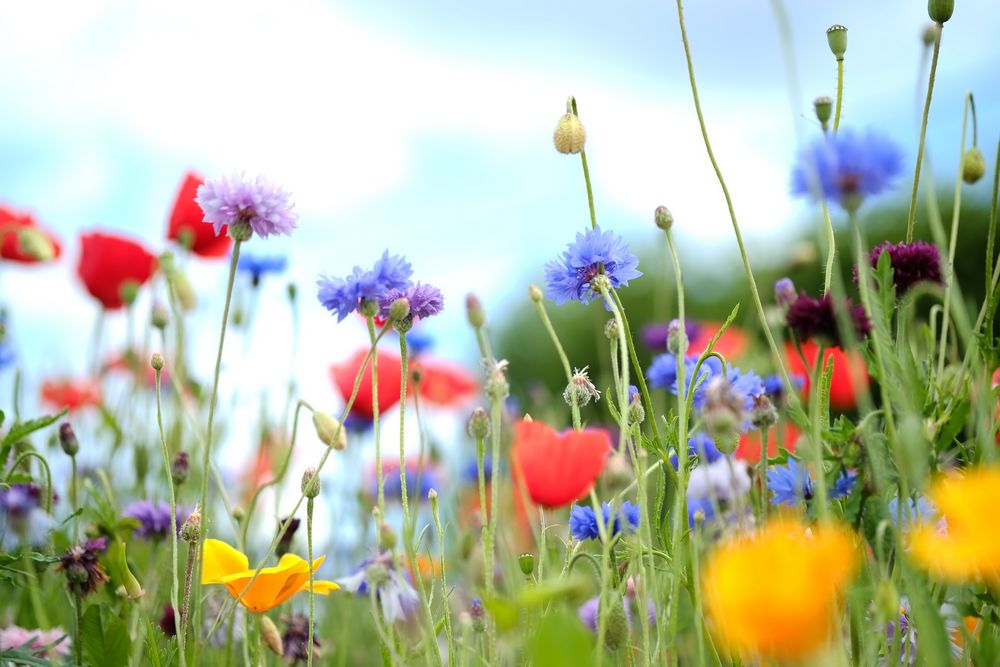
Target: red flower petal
557	469
749	448
107	262
730	345
390	370
187	219
444	384
72	394
10	244
846	366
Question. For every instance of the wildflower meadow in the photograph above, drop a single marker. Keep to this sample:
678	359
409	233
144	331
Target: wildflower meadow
638	467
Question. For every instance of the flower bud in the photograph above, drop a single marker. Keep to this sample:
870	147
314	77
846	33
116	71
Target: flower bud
387	536
763	414
159	317
823	106
156	361
129	290
611	329
292	291
940	10
569	136
930	34
496	387
432	496
973	165
191	529
285	541
119	567
836	37
310	483
240	230
616	629
67	439
636	412
723	414
400	309
239	513
526	562
35	244
479	424
784	292
478	614
329	431
663	218
677	341
580	390
474	311
269	631
600	283
535	293
180	468
368	307
617	473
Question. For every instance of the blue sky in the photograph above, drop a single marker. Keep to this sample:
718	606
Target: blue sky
426	127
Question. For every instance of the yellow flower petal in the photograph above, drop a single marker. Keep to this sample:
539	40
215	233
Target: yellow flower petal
220	560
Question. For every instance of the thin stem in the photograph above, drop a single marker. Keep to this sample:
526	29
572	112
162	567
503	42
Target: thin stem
34	592
188	577
543	314
73	491
375	428
407	524
586	173
484	518
912	216
444	578
312	576
78	643
174	595
840	94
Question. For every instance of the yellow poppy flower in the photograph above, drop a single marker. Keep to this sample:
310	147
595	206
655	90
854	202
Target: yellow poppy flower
273	586
775	593
968	550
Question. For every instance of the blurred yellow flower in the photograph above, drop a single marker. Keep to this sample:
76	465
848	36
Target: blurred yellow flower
775	593
273	586
968	549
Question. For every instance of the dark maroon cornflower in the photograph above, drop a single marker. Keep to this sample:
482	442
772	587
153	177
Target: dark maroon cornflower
84	573
815	318
167	621
296	638
911	263
285	543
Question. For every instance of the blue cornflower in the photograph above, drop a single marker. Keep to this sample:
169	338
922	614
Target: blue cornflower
923	512
396	596
847	167
569	277
418	341
700	504
260	265
662	374
343	295
701	445
583	520
471	471
425	301
844	485
7	354
154	518
792	483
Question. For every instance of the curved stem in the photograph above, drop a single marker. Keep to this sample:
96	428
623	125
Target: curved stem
912	216
174	592
48	475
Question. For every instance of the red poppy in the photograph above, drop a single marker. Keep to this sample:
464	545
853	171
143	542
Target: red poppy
749	448
730	345
13	242
555	468
444	384
390	370
72	394
109	262
187	223
846	367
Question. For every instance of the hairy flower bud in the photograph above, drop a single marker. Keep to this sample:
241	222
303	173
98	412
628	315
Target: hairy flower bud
387	536
156	361
569	135
159	317
191	529
269	631
400	309
478	614
119	568
823	106
616	624
67	439
940	10
677	341
580	389
836	37
663	218
636	412
474	311
329	431
534	293
611	329
479	424
763	414
973	165
310	483
496	387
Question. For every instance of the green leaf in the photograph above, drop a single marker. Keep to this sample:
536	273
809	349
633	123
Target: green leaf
562	641
504	612
105	638
21	430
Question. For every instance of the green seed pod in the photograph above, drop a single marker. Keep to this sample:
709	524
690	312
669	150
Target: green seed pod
836	37
823	107
940	10
526	562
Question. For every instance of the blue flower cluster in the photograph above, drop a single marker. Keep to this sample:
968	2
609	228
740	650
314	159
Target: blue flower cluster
342	296
792	483
846	167
662	374
583	520
568	278
257	266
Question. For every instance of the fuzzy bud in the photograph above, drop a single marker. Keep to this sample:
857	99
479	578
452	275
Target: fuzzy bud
569	136
973	165
329	431
478	614
191	529
836	37
611	329
940	10
823	106
663	218
930	34
159	317
269	631
479	424
535	293
180	468
432	496
156	361
580	390
677	341
474	311
636	412
240	230
616	625
400	309
368	308
526	562
600	283
67	439
310	483
496	387
763	414
387	536
784	292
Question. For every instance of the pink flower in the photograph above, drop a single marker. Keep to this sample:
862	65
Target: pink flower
15	636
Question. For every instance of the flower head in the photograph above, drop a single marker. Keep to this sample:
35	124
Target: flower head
42	643
912	263
702	446
583	523
237	199
744	385
295	639
187	222
792	484
425	301
22	518
397	598
776	593
22	240
272	587
555	468
71	394
154	518
569	278
343	295
812	318
257	266
110	265
847	167
84	573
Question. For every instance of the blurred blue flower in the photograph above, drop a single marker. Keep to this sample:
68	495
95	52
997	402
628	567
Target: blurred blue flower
396	596
342	295
703	505
662	374
265	206
154	518
846	167
425	301
701	445
923	511
260	265
471	471
791	483
569	277
583	520
23	521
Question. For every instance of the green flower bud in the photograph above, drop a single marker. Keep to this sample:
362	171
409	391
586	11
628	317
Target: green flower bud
535	293
973	165
663	218
156	361
67	439
526	562
569	135
119	568
310	483
368	307
763	414
129	290
580	390
35	244
611	329
940	10
191	529
823	106
400	309
836	37
479	424
159	317
387	536
329	431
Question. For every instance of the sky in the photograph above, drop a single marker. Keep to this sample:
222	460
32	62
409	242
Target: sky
426	128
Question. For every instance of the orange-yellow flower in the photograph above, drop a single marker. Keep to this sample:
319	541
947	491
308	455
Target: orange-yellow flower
776	593
273	586
968	550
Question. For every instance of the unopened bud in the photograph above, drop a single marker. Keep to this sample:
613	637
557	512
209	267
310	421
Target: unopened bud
930	34
496	386
526	562
479	424
191	529
663	218
535	293
329	431
432	496
580	390
35	244
784	292
836	37
387	536
940	10
368	307
239	513
67	439
616	624
156	361
611	329
240	230
310	483
271	635
292	291
723	414
763	414
474	311
180	468
569	136
973	165
400	309
677	341
478	614
128	291
183	291
823	106
159	317
636	412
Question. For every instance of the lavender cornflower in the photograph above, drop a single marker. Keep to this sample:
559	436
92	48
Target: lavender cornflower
23	521
588	611
257	266
236	200
815	318
655	335
344	295
396	596
425	301
583	520
792	483
846	167
912	263
569	278
154	518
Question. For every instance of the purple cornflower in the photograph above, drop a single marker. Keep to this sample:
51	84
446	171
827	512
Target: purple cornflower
22	518
257	266
396	596
154	518
425	301
259	203
792	483
569	277
583	520
911	263
846	167
662	374
343	295
655	335
814	318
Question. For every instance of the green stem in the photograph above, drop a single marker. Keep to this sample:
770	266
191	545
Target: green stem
840	94
540	307
376	429
444	578
78	643
174	594
831	249
815	420
912	216
586	173
407	523
312	576
34	592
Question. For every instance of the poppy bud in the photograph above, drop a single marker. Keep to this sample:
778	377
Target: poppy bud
479	424
526	562
973	165
183	291
535	293
156	361
474	311
35	244
272	637
616	625
129	291
159	317
569	136
823	106
67	439
285	541
239	513
179	468
580	390
663	218
191	529
310	483
617	473
329	431
940	10
836	37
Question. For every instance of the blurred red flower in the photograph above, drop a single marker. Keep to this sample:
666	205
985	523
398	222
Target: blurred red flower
442	383
731	344
557	468
108	262
846	367
12	242
749	448
72	394
187	223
